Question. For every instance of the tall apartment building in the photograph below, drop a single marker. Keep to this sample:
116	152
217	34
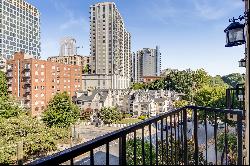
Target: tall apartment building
19	28
110	45
146	62
34	82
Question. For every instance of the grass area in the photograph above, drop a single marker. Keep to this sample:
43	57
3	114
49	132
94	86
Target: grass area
129	120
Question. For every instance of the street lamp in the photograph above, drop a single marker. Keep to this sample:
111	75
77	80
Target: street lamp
242	63
235	33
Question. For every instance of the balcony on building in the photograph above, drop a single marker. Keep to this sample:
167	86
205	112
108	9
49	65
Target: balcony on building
9	89
9	82
9	75
9	68
27	82
27	90
26	74
27	67
28	98
181	140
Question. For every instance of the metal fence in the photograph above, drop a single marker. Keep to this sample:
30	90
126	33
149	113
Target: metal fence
177	139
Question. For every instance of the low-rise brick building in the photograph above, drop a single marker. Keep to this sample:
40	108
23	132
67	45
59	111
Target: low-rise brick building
34	82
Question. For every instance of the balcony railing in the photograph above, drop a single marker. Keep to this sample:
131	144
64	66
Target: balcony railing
9	75
27	90
27	67
27	82
26	74
171	138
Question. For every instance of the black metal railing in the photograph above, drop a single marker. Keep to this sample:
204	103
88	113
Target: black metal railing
235	98
188	135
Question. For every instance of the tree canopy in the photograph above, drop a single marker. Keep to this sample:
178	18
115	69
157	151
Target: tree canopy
3	85
61	111
233	79
110	115
37	139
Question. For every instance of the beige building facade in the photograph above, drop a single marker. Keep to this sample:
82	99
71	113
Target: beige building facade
71	60
110	44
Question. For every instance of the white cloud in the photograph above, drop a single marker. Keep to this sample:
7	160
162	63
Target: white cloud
169	11
215	9
71	20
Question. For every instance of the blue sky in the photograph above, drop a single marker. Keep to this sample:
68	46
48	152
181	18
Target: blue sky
189	32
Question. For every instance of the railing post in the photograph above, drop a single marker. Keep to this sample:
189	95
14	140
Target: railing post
196	148
20	153
185	136
240	147
122	150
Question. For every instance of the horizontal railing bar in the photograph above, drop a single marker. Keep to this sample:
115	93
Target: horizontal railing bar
77	150
217	110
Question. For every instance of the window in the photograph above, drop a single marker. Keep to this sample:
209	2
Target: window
42	73
36	87
42	87
36	80
42	95
53	87
36	95
36	65
36	109
42	66
36	73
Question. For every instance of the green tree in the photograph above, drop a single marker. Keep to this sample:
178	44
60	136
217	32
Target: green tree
110	115
9	108
37	138
180	103
209	96
233	79
137	86
182	81
61	111
231	145
214	97
86	68
138	144
218	81
3	85
175	147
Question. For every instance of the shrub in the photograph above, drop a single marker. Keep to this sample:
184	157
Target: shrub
110	115
61	111
142	117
